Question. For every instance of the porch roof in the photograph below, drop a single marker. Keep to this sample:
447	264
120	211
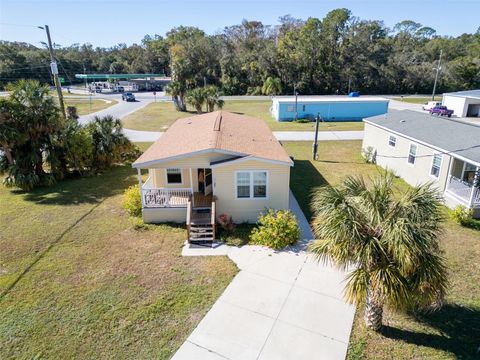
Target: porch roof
446	135
219	131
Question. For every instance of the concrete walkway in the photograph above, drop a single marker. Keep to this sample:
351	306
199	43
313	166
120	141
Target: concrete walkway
281	305
150	136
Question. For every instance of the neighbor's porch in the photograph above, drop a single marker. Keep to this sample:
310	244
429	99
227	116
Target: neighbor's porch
463	183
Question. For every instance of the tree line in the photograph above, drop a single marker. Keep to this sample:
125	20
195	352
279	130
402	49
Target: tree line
317	56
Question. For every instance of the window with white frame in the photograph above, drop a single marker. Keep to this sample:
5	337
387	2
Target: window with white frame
392	141
412	154
243	184
290	108
436	165
251	184
174	176
259	184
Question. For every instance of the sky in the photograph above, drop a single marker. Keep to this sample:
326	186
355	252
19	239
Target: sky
109	22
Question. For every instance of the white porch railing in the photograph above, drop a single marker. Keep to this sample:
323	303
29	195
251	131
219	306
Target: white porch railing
463	190
166	197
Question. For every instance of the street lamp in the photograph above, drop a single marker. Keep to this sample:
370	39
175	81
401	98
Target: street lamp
438	68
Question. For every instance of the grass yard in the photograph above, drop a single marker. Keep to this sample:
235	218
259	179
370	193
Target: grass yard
84	107
453	332
86	284
159	116
417	100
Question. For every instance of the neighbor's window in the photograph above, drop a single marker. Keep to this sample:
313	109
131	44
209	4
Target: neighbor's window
436	164
243	184
251	184
290	108
412	154
392	141
174	176
260	184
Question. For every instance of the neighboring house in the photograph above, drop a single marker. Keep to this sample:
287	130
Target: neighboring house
463	103
421	148
215	163
330	108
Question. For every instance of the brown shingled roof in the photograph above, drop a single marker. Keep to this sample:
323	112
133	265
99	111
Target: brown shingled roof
217	131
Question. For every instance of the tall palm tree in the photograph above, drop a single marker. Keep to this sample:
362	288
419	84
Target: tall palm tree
212	98
390	240
196	97
272	86
177	91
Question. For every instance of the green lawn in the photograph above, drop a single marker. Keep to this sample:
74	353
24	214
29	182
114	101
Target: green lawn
159	116
417	100
87	285
84	106
451	333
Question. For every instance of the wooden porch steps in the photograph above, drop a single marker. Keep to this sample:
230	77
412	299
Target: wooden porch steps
201	224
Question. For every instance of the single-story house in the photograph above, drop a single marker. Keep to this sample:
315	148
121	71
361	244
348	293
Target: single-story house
330	108
422	148
211	164
463	103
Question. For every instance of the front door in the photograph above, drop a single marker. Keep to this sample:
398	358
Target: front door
205	181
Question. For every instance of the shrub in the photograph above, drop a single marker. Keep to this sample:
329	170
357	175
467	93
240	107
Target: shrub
462	215
369	155
132	201
276	229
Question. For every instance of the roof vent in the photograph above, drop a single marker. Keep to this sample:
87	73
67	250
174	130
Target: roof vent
218	122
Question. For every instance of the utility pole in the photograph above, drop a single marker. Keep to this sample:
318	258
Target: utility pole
315	143
296	101
438	68
54	68
349	82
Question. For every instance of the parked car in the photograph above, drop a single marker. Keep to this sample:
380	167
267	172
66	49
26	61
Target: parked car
120	89
430	105
98	89
441	111
128	97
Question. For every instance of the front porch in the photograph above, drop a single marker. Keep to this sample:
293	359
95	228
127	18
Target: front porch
463	183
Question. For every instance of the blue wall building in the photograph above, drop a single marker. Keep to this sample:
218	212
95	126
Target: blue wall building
330	108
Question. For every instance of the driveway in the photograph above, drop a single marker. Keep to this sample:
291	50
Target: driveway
281	305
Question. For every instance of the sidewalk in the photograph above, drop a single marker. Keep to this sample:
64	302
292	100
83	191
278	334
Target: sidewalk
281	305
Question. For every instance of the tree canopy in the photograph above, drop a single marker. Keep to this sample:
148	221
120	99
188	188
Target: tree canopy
317	55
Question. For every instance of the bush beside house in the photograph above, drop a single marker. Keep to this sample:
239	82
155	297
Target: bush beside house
276	229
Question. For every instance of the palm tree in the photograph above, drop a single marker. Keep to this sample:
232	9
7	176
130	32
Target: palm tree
212	98
196	97
272	86
390	240
109	142
177	91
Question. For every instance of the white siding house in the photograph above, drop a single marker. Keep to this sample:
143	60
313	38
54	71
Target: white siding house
420	148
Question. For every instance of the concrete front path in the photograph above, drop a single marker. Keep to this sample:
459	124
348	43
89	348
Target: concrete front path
281	305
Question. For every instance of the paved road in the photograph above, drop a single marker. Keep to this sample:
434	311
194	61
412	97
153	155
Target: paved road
123	108
150	136
281	305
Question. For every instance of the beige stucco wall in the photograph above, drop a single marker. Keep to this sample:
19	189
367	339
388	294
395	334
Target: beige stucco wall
419	173
247	210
